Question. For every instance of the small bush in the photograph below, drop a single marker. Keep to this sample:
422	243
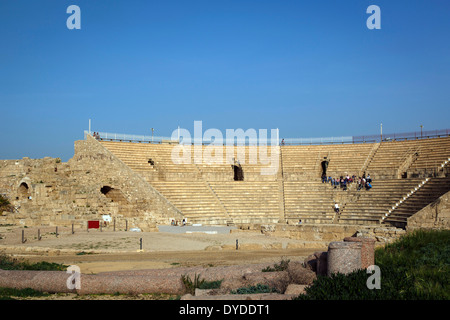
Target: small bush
283	265
259	288
9	263
415	267
199	283
5	205
10	293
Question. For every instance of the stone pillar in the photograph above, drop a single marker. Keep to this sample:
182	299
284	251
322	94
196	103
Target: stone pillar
367	250
343	257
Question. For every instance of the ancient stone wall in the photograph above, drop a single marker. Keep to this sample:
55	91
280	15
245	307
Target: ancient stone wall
49	192
329	232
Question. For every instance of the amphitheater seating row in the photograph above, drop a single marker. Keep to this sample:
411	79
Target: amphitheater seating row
368	206
206	193
411	155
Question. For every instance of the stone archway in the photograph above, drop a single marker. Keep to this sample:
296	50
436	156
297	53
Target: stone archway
114	194
238	173
23	191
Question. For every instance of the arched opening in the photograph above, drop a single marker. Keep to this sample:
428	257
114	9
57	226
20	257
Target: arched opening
238	173
105	190
114	194
24	191
324	164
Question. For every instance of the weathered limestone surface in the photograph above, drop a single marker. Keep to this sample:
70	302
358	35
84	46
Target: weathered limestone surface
435	215
118	179
325	233
48	192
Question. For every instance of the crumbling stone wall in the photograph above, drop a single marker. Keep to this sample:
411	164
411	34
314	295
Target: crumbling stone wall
56	193
331	232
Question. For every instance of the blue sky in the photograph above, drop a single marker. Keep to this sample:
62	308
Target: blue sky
309	68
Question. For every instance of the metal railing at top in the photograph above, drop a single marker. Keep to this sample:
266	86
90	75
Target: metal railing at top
402	136
128	137
312	141
286	141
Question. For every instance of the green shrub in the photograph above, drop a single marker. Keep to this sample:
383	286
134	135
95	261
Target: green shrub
259	288
5	205
353	286
191	285
283	265
9	263
415	267
9	293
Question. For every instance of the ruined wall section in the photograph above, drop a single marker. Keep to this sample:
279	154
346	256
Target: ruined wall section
49	192
40	191
144	202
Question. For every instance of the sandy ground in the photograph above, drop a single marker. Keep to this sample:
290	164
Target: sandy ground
109	250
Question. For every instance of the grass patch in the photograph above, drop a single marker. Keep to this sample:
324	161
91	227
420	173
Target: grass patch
191	285
11	293
10	263
259	288
415	267
82	253
283	265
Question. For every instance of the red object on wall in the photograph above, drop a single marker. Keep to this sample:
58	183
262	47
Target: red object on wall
93	224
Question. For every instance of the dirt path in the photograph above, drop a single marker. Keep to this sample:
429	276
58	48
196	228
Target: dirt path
96	251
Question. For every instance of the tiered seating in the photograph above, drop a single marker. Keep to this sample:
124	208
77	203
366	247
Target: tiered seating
432	153
310	201
194	200
301	160
425	195
137	157
206	193
395	155
252	163
343	159
368	206
249	201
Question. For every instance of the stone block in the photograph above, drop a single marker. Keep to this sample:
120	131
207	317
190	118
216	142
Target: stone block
295	289
298	274
278	279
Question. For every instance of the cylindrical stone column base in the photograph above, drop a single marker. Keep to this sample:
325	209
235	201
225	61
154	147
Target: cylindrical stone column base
343	257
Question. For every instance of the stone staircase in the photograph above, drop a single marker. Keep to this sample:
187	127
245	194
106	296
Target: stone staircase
427	191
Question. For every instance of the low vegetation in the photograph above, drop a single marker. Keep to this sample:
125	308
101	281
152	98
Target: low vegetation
10	263
416	267
14	294
191	285
259	288
5	205
283	265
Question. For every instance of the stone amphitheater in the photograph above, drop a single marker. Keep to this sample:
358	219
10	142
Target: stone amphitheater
138	186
